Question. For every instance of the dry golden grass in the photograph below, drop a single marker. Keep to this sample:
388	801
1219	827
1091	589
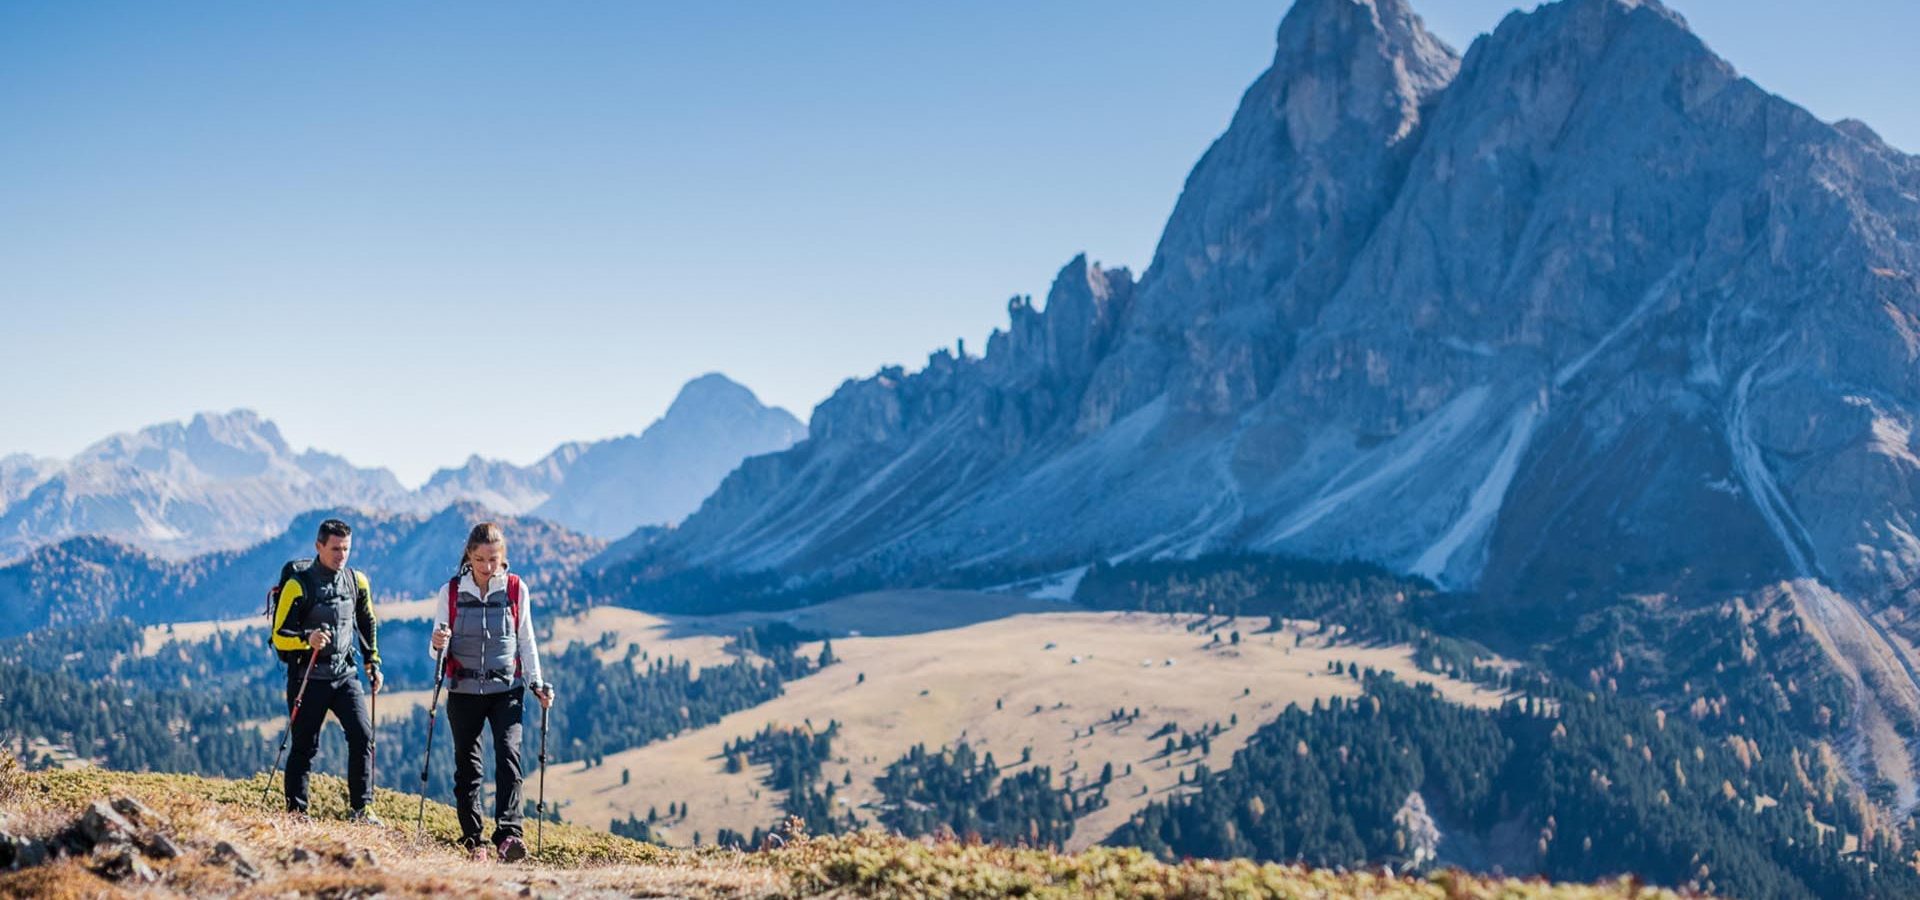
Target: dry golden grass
153	637
940	686
700	641
200	812
966	651
872	864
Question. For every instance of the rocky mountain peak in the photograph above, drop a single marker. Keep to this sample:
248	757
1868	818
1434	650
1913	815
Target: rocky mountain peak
1276	209
1323	35
20	473
237	428
234	444
1398	296
217	480
714	395
1060	341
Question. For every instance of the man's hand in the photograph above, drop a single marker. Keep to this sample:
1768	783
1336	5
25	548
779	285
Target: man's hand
373	675
319	638
544	694
440	636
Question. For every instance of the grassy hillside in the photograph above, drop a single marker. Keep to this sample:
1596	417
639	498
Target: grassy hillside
268	853
1042	685
1055	724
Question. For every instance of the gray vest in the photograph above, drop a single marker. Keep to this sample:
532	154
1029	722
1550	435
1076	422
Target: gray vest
485	648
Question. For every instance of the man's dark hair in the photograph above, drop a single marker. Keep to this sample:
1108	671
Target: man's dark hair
333	528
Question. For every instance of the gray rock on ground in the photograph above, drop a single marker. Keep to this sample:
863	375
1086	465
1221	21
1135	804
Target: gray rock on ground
226	855
20	852
101	824
123	865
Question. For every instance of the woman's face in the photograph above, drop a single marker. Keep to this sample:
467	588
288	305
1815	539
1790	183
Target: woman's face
487	560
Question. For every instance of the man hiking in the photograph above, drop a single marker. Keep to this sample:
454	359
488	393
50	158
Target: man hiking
324	615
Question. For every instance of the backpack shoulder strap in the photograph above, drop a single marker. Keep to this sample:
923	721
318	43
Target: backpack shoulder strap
295	570
453	609
298	570
513	599
513	609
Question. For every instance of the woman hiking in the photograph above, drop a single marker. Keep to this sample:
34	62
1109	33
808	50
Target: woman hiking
486	630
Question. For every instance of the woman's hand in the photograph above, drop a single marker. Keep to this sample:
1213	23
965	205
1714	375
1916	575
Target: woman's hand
440	636
544	694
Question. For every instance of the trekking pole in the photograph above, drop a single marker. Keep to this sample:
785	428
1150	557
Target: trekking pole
373	745
433	716
540	809
287	738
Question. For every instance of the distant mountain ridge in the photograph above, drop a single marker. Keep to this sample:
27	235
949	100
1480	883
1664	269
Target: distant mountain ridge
658	477
20	474
225	481
180	488
405	555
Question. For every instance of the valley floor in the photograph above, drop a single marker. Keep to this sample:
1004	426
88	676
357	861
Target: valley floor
1002	673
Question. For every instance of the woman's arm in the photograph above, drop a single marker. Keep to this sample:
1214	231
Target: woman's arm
529	654
439	618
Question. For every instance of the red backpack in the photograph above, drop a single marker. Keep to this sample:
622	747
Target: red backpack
453	611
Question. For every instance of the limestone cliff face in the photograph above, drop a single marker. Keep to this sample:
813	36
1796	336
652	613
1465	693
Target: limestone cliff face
943	461
1579	313
1583	313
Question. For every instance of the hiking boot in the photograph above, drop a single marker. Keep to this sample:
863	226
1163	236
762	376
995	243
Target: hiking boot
512	849
364	816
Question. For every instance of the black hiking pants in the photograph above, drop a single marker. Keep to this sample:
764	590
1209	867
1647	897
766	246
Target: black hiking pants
341	695
467	714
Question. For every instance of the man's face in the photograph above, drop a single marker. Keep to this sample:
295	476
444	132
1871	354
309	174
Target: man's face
333	551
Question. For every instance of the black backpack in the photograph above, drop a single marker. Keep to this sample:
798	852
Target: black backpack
294	569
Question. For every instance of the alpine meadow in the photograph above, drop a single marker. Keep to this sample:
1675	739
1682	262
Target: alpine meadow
1501	481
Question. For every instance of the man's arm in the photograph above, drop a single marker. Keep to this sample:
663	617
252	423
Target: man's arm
287	635
364	620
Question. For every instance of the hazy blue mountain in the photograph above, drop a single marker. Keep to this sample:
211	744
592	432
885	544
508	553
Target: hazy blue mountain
406	556
608	488
20	474
177	489
227	480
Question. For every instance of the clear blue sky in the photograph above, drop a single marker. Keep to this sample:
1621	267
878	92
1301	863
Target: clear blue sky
410	231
